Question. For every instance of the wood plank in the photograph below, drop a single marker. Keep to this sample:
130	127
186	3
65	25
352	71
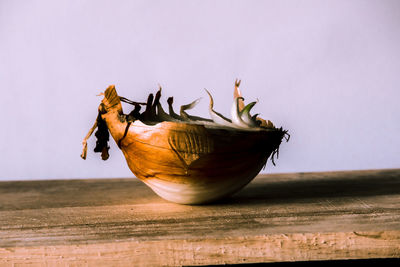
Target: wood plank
278	217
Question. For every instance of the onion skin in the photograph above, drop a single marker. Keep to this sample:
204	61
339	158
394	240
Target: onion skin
215	116
189	163
246	117
235	113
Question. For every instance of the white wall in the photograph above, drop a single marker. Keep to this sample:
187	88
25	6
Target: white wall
326	70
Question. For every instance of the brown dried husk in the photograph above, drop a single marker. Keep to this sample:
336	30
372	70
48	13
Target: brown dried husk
189	153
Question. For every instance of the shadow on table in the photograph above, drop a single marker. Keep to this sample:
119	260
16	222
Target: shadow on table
274	188
319	185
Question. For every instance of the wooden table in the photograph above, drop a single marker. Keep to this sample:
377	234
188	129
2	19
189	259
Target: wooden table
278	217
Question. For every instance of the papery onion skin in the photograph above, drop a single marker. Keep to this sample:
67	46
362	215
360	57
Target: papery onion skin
235	113
186	162
215	116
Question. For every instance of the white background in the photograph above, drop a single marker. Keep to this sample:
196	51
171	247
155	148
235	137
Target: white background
328	71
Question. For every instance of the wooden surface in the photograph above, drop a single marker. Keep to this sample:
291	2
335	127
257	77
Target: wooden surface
279	217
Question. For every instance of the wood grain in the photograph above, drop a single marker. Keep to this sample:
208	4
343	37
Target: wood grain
278	217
